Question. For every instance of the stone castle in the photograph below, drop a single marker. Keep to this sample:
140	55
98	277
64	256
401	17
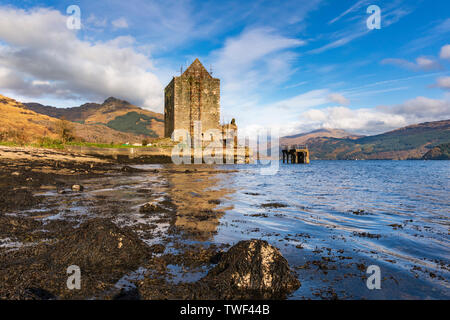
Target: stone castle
194	96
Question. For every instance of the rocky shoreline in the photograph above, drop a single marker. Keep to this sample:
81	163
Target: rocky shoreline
175	232
115	262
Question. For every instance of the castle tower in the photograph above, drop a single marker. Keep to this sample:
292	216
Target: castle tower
193	96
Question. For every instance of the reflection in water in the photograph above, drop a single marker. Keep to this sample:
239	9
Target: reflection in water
197	193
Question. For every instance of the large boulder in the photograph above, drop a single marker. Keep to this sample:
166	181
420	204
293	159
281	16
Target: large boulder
103	251
252	269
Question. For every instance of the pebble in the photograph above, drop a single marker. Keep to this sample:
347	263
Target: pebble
77	188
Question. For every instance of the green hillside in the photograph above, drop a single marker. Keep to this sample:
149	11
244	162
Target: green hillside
134	122
440	152
111	109
410	142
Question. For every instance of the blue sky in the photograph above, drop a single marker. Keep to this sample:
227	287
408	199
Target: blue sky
291	65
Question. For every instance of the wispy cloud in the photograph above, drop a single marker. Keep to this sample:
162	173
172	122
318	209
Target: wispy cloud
437	32
358	5
372	92
120	23
341	41
254	59
173	24
295	85
384	83
356	27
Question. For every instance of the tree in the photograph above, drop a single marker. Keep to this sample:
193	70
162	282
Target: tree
65	130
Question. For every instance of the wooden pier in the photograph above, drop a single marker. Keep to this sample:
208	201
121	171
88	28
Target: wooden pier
295	153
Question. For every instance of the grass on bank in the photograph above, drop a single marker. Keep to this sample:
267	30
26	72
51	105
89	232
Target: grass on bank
49	143
65	137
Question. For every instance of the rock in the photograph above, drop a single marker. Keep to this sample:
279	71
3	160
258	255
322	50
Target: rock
150	207
103	251
273	205
38	294
216	258
252	269
249	270
17	199
127	294
157	248
77	188
440	152
99	242
130	169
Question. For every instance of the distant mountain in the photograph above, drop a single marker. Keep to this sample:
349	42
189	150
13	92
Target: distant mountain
19	123
116	114
303	138
411	142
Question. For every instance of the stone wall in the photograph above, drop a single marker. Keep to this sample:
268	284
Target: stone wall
169	108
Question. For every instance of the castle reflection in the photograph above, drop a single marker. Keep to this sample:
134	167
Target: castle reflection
197	192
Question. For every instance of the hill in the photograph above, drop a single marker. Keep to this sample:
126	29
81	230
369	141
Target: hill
410	142
20	124
116	114
440	152
303	138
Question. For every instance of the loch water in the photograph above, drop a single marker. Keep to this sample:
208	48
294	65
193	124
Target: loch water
331	220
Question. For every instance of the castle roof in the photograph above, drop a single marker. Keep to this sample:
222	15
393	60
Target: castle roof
196	69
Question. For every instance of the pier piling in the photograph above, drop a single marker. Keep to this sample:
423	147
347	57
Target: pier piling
295	153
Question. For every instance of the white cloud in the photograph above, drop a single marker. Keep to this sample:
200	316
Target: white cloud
377	120
421	64
40	57
250	63
445	52
120	23
95	22
250	48
338	98
427	64
365	121
443	82
281	115
421	109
